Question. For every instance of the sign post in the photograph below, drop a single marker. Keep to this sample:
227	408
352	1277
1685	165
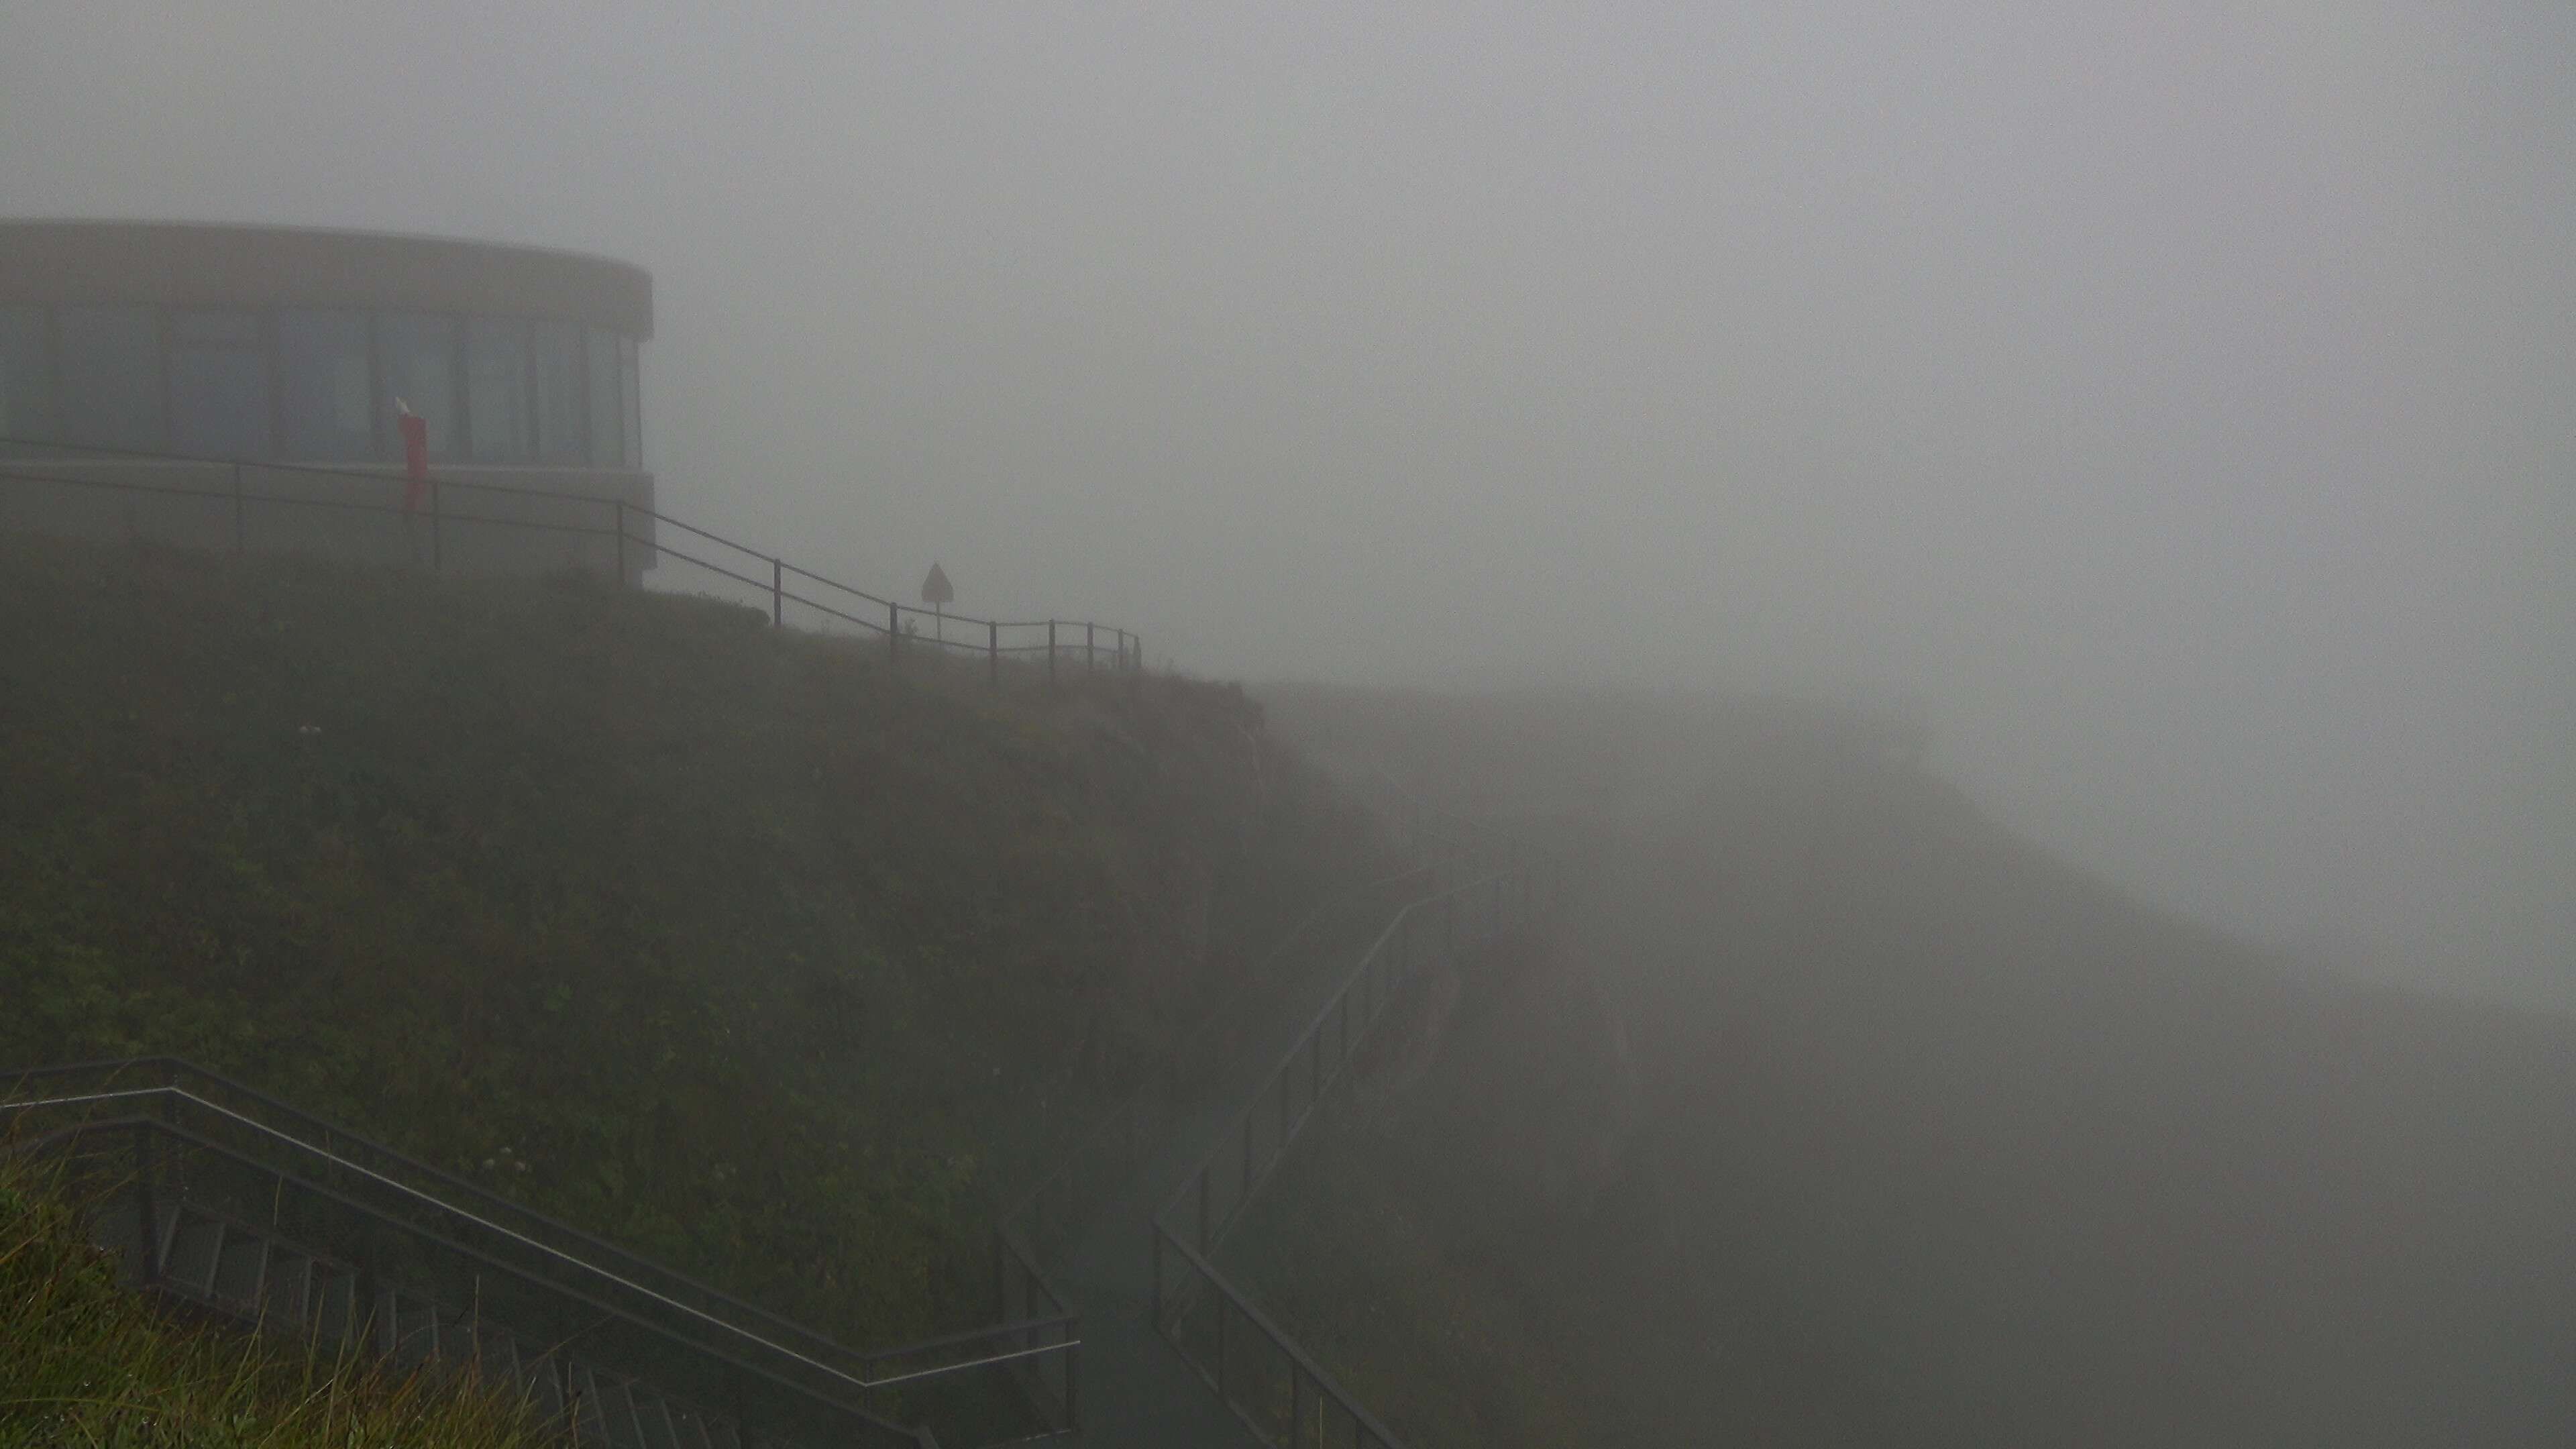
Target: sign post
936	592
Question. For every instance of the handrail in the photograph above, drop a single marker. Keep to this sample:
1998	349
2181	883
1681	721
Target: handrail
1336	1007
1279	1336
176	1067
609	1310
1372	984
550	1253
13	467
1085	1142
1054	1330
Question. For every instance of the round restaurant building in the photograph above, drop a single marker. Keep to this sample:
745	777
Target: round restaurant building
150	369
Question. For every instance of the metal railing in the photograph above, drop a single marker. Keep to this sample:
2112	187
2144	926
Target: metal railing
454	522
1009	1381
1271	1383
165	1163
1111	1142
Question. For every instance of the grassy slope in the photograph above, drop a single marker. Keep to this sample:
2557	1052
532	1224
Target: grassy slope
84	1361
1842	1116
757	958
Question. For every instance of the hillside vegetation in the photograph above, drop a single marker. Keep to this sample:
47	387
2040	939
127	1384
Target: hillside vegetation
725	943
1838	1115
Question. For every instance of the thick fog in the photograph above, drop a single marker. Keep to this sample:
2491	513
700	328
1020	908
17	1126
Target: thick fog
2180	400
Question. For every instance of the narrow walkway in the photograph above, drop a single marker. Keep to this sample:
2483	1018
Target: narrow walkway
1137	1390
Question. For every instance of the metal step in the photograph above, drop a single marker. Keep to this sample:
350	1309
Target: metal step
335	1316
692	1428
617	1410
240	1270
496	1356
194	1250
283	1287
165	1232
415	1330
286	1298
384	1332
589	1416
653	1420
543	1381
117	1229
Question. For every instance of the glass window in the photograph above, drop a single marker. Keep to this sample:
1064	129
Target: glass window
329	404
416	363
633	397
562	433
496	389
215	329
607	433
111	376
218	384
26	375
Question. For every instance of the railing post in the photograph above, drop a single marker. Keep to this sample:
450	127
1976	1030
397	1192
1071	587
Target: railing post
620	505
894	633
1050	651
1090	647
777	594
241	532
147	1213
1073	1357
993	651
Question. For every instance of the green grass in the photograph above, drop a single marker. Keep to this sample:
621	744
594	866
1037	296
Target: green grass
84	1361
724	943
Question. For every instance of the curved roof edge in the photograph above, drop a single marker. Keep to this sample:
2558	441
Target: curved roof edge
223	264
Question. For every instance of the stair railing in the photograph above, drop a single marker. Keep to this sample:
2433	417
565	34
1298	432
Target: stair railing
1271	1383
1033	1355
148	1142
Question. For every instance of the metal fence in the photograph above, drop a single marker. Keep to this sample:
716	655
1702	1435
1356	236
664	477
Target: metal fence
394	1215
465	525
1271	1383
1104	1149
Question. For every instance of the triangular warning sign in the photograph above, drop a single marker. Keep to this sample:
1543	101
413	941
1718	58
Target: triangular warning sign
935	589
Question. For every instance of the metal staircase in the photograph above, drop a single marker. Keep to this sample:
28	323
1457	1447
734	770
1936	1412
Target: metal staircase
258	1280
308	1235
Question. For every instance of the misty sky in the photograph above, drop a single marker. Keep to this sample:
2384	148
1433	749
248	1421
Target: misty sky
2182	399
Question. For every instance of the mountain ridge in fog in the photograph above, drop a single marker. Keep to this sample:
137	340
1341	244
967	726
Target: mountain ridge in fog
1840	1112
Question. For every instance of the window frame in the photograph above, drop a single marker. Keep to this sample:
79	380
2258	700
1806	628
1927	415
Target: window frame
156	388
373	445
261	347
615	447
45	427
475	327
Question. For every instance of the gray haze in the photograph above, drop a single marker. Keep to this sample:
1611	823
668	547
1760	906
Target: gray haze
2183	402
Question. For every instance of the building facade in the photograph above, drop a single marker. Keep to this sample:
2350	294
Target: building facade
290	346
